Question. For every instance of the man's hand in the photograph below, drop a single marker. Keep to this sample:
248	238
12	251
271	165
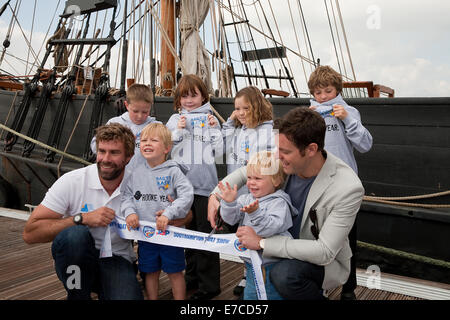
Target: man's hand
248	237
100	217
213	206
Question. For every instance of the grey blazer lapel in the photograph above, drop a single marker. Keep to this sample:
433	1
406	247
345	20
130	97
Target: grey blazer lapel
323	180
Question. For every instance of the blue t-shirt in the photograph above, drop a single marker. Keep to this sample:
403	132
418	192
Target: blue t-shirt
298	189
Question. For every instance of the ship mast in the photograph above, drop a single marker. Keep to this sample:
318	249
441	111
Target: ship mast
167	75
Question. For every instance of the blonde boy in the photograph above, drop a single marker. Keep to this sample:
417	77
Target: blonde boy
147	192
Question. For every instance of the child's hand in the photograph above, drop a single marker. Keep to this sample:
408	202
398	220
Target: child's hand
252	207
212	122
233	115
313	108
132	221
182	122
228	194
162	222
339	112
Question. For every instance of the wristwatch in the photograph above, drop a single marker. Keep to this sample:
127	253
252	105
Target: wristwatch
261	243
78	219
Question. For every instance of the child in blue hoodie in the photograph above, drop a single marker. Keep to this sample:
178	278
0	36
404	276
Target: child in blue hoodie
345	132
139	101
197	141
267	209
147	192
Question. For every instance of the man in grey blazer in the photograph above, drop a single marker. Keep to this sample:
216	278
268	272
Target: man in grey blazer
328	195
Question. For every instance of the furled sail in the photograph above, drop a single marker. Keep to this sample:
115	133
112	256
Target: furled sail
194	56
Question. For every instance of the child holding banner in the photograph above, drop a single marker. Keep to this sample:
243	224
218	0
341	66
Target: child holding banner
267	209
197	141
151	187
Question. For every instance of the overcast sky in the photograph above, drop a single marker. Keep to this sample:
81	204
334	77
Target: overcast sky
403	44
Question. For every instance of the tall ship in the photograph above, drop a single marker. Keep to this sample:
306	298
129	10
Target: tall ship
65	67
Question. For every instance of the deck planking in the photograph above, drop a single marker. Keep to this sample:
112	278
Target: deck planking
27	272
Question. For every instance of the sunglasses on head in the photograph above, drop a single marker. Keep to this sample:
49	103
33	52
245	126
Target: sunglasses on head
315	227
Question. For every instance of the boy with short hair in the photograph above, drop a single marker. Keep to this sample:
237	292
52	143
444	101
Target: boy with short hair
266	208
139	101
345	131
151	187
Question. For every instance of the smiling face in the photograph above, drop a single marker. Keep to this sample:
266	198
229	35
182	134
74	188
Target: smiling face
291	158
259	185
111	159
242	108
153	149
191	100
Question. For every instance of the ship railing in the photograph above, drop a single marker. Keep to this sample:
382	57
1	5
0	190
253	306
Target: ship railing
373	91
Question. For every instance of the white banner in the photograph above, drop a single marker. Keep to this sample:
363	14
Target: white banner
179	237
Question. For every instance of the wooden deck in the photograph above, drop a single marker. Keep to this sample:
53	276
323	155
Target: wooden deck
27	273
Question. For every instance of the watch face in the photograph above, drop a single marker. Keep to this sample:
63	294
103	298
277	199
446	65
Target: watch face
77	218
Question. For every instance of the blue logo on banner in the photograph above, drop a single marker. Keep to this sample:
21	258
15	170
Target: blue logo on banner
239	247
148	231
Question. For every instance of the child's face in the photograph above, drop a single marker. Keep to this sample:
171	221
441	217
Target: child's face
153	149
259	185
324	94
242	108
191	100
138	111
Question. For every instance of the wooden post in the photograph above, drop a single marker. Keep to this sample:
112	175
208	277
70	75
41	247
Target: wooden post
167	59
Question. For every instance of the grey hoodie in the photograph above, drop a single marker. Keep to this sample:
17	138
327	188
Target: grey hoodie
197	146
342	136
273	216
146	191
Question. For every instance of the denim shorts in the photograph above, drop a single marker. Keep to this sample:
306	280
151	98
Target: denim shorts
154	257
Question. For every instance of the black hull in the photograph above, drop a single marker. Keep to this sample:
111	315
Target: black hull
409	157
